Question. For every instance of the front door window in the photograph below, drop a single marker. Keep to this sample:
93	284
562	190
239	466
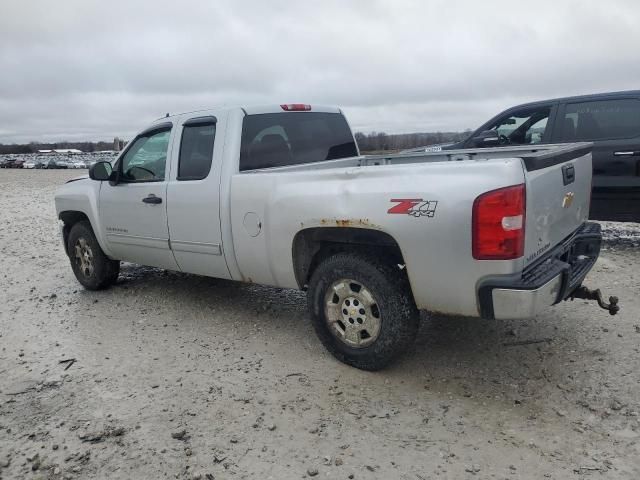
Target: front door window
524	127
146	159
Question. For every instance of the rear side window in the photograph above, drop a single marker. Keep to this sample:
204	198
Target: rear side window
292	138
196	148
604	119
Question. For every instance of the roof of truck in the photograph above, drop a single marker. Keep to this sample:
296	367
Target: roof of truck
259	109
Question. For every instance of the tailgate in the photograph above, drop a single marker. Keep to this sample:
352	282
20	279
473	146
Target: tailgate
558	186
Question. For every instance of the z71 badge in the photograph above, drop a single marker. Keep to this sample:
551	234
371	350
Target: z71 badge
416	207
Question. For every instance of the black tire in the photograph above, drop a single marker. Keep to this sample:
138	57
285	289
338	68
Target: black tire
398	318
103	272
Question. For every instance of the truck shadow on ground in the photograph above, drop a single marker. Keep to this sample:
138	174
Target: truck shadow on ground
511	360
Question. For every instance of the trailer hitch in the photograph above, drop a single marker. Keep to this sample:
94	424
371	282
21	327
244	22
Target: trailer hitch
588	294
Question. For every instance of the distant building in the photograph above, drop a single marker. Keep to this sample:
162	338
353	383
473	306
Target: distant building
118	144
61	150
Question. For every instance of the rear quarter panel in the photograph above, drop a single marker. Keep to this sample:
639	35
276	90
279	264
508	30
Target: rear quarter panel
436	250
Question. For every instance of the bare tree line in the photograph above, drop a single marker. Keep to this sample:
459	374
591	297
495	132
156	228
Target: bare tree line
368	142
380	141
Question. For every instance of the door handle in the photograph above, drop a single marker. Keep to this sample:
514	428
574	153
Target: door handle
627	153
568	174
152	199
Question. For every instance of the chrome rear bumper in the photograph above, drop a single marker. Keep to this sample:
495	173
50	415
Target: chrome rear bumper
525	303
550	280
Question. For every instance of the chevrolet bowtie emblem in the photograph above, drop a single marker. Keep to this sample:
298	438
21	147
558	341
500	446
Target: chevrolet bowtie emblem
567	200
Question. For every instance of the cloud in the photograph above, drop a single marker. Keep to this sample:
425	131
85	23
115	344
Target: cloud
83	69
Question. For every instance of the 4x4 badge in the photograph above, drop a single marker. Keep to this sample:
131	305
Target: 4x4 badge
416	207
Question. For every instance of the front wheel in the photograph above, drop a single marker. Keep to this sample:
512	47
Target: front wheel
362	309
93	269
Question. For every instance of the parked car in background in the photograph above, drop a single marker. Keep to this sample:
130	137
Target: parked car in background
54	163
48	164
32	163
54	160
18	163
610	120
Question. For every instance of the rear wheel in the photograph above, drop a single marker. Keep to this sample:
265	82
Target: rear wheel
362	309
93	269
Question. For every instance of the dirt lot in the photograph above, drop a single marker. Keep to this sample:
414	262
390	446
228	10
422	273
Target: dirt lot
180	376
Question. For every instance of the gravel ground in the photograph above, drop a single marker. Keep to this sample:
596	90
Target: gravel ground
177	376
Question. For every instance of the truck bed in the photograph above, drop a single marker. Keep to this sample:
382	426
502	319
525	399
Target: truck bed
358	192
534	157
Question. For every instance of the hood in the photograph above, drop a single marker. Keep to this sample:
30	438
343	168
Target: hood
82	177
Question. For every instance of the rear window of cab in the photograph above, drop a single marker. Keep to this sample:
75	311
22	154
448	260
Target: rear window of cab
294	138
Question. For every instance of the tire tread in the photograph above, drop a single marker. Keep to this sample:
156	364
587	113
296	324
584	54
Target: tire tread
106	270
400	315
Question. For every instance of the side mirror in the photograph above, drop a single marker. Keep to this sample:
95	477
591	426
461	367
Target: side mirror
100	171
488	138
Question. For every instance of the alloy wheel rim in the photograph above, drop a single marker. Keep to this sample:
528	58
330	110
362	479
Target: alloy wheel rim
84	257
352	313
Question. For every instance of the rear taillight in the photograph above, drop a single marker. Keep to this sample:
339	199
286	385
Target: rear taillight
295	107
498	224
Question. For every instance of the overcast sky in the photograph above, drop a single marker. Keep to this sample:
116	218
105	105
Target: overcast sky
89	70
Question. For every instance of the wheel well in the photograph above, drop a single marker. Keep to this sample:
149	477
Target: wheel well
70	218
312	245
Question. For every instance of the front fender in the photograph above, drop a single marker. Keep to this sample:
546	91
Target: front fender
82	196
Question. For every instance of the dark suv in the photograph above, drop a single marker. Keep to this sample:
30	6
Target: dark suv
610	120
7	162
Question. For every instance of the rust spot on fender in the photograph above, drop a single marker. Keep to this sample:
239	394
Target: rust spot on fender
348	222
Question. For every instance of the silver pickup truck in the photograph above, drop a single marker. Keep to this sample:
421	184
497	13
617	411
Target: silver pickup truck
280	195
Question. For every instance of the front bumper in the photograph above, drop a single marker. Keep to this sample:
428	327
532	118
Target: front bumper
550	280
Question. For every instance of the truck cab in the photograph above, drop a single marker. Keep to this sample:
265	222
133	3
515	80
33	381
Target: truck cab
167	199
